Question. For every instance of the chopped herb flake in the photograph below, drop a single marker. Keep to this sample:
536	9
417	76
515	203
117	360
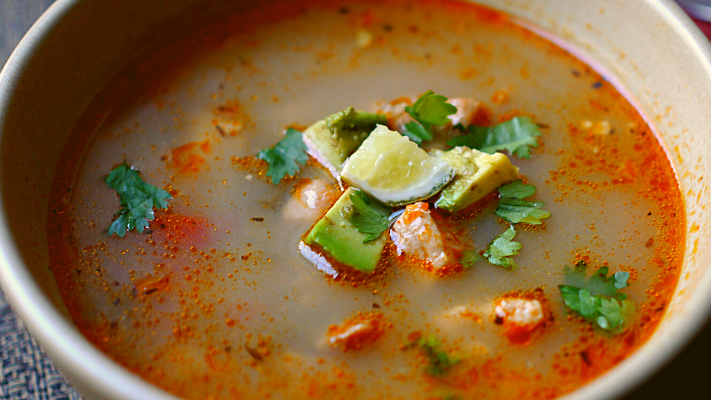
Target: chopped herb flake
284	158
429	110
599	283
598	299
517	136
502	248
469	258
416	132
137	197
368	216
515	210
440	362
516	190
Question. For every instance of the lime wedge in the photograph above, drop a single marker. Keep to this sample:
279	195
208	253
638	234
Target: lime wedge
394	170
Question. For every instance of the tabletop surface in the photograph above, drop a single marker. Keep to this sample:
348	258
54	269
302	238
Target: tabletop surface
27	373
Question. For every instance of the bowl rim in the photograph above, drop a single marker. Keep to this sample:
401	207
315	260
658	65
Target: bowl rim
97	372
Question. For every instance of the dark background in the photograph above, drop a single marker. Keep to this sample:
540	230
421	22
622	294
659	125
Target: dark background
27	374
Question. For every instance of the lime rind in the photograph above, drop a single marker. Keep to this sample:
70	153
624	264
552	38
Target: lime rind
396	201
394	170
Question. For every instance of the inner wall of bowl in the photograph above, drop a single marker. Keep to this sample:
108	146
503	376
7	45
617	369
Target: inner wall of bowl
63	71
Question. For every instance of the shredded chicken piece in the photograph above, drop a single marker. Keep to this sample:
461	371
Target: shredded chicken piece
151	284
520	311
309	199
355	332
416	234
466	110
520	317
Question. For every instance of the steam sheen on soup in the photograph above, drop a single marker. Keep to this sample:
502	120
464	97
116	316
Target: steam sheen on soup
214	300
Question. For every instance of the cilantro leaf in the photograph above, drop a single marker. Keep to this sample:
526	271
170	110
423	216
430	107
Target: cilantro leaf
416	132
614	313
284	158
515	210
517	136
579	300
440	362
469	258
501	248
597	299
608	314
137	198
369	217
516	190
599	283
429	110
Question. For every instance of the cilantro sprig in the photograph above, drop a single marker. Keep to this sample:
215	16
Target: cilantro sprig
284	158
137	197
501	249
513	209
598	299
469	258
429	110
517	136
440	361
368	216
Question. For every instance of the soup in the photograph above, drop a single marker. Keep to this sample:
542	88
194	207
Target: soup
214	299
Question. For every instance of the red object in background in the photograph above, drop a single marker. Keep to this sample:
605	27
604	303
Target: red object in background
704	26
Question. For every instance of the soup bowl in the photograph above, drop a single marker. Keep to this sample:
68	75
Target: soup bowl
649	49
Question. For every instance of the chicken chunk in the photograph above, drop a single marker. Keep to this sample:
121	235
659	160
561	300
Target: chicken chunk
520	317
416	234
308	200
519	311
466	110
395	111
356	331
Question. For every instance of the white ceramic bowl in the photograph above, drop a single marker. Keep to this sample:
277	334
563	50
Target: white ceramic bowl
649	48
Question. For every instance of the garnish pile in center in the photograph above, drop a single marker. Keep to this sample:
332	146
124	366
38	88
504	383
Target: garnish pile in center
393	184
387	169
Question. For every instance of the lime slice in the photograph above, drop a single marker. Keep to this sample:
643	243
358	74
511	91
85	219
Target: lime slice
394	170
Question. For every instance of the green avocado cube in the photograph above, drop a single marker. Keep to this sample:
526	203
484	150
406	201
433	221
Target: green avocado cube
477	174
331	140
339	237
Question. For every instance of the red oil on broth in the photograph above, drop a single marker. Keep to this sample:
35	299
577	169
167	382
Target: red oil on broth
213	300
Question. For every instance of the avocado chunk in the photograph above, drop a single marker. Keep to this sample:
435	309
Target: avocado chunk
477	175
340	238
331	140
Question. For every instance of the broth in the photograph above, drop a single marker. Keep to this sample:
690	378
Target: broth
214	300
